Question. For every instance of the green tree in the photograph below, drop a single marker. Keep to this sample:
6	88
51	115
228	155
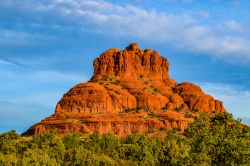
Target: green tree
219	140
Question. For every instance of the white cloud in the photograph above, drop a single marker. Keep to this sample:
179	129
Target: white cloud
21	86
19	38
235	98
52	76
37	87
204	14
26	78
181	31
4	63
233	25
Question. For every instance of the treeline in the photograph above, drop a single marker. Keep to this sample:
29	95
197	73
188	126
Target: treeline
217	140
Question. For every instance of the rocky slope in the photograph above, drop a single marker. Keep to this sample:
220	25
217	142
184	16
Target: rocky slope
131	91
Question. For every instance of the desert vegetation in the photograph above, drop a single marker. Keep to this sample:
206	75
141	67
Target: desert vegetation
209	140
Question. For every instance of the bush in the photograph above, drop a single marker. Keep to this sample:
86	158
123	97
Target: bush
219	140
209	140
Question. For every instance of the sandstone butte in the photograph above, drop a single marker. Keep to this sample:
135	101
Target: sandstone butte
130	91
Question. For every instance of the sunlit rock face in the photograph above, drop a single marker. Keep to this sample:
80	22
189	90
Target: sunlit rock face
130	91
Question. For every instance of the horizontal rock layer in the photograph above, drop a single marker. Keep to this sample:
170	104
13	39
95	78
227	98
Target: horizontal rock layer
130	91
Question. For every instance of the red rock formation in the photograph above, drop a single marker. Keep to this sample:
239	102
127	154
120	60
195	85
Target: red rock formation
196	99
131	91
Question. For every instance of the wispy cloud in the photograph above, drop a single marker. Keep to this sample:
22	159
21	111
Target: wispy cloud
7	62
181	31
20	38
41	77
28	96
20	116
233	25
38	87
204	14
235	98
23	81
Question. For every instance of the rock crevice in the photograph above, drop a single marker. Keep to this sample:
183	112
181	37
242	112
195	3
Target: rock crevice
130	91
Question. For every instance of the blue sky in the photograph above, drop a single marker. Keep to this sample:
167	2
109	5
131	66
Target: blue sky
48	46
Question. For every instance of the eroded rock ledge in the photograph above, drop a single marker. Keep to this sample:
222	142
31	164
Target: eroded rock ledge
130	91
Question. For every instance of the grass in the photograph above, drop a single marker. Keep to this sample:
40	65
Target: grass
154	90
123	87
165	108
107	78
152	115
179	109
163	129
188	115
193	110
117	82
117	92
137	110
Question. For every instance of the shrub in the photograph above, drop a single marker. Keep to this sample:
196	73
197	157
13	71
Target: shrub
117	82
210	140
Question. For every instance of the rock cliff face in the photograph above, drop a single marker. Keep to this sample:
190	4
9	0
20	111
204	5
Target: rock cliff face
131	91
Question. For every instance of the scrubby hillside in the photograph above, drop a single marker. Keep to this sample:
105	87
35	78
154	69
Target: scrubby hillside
209	140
